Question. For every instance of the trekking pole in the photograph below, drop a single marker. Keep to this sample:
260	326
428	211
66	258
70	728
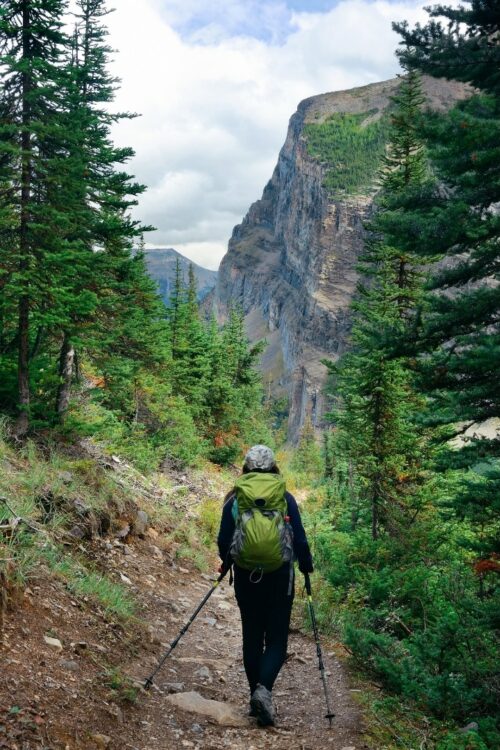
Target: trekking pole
149	681
329	714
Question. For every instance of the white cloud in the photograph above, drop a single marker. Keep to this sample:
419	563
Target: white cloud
214	114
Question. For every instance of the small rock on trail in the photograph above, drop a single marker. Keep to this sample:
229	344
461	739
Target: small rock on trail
224	714
53	642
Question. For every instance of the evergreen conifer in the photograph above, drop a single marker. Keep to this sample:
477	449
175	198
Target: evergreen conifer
460	333
376	398
32	139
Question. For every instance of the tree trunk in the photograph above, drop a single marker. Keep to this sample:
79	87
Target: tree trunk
354	505
35	349
374	517
378	453
22	423
77	371
66	366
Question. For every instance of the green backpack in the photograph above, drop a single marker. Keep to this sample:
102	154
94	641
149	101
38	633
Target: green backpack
263	537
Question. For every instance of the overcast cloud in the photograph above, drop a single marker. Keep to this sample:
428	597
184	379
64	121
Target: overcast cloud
216	83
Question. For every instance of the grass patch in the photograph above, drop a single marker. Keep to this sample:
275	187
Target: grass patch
209	515
113	597
21	556
195	555
123	688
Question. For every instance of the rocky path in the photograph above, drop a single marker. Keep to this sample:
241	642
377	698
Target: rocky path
68	670
208	661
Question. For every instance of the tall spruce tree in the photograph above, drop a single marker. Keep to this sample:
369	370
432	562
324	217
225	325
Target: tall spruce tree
375	387
406	619
177	311
189	344
460	334
66	233
31	138
122	322
234	396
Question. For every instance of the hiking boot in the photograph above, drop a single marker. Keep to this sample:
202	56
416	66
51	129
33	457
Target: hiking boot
262	704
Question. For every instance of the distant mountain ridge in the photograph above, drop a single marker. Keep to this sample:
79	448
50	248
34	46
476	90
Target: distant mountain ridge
161	264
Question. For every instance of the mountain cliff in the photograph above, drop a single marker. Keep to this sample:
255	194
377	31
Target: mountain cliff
291	263
161	264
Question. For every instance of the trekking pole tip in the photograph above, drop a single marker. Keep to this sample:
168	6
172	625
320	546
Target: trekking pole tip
148	683
330	718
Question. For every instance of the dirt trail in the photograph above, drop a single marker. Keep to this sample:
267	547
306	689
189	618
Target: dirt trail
59	700
208	660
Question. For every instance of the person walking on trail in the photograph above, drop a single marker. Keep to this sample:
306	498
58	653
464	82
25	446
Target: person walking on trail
261	534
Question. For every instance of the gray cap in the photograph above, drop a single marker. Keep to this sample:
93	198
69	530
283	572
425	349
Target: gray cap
260	457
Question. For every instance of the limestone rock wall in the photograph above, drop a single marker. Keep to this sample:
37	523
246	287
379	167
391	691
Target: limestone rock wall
291	263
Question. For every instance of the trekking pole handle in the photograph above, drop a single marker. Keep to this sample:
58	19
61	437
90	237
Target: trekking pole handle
308	584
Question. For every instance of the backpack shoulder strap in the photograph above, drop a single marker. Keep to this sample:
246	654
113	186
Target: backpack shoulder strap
235	510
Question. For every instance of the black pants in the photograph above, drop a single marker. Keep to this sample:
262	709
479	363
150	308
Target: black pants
265	609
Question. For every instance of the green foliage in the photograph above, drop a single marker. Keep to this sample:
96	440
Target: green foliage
395	724
237	416
209	520
408	532
123	688
458	338
86	344
408	609
461	741
405	162
66	233
307	460
465	48
351	147
374	393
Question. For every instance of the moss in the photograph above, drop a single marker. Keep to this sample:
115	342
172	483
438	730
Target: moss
351	147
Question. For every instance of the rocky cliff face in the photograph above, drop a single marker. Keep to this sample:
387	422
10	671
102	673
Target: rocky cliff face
291	263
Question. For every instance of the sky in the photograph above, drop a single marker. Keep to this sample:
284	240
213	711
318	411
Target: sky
215	83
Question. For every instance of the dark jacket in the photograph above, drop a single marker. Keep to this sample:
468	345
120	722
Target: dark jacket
300	544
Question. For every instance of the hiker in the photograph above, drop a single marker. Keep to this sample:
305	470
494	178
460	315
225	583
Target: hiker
261	534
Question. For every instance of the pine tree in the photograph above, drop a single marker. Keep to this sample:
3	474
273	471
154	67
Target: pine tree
32	42
405	162
405	181
67	238
189	342
460	335
465	49
177	311
109	277
192	292
234	396
375	387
